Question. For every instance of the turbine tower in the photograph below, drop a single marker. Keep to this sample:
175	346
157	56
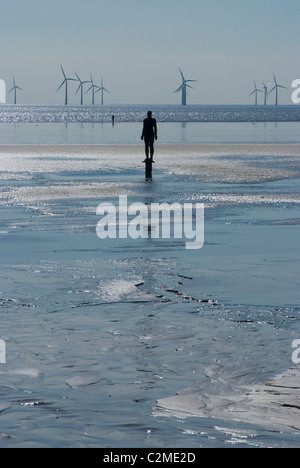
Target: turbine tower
102	89
183	87
14	88
65	82
256	91
266	92
80	87
93	87
276	88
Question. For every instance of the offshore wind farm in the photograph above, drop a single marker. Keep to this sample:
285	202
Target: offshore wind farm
266	93
79	87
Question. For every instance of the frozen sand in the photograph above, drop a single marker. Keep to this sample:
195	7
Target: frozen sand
274	404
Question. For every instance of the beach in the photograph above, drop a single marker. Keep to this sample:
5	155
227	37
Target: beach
98	331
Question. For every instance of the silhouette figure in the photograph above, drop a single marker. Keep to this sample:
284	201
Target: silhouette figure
149	135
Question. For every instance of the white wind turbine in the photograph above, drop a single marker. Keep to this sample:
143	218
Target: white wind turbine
256	91
183	87
266	92
65	82
14	88
276	88
80	87
93	87
102	89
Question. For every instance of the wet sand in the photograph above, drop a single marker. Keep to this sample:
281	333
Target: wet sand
233	163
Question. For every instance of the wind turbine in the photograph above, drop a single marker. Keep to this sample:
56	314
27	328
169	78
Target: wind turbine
80	87
14	88
256	91
183	87
266	92
102	89
65	82
276	87
93	87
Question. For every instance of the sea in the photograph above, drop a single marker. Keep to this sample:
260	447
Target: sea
97	331
178	124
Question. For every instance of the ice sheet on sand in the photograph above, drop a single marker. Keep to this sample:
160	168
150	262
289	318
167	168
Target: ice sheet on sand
26	372
124	291
274	405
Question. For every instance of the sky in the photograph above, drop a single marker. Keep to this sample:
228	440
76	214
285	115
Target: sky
138	46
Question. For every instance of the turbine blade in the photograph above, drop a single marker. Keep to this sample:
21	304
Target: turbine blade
78	89
61	85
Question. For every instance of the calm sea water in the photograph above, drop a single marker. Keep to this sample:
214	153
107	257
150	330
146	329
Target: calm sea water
177	124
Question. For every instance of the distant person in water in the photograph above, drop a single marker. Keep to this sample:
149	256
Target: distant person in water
149	135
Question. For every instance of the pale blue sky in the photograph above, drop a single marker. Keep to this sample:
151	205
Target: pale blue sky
137	47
